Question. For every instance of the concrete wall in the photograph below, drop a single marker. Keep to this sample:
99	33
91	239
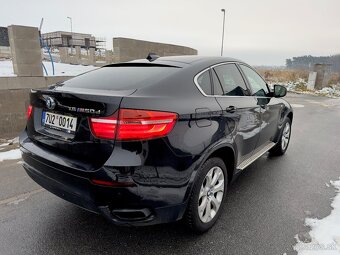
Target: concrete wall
5	52
323	75
29	82
108	56
26	51
14	99
13	115
125	49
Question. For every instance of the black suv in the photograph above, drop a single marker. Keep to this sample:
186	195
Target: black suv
155	140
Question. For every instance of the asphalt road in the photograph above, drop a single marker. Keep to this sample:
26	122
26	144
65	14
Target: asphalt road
265	208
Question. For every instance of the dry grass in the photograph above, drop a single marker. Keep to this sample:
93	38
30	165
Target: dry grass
334	79
281	75
301	87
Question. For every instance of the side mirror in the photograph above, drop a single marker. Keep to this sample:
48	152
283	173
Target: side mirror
279	91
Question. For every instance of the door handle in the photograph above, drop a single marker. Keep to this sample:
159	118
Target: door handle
231	109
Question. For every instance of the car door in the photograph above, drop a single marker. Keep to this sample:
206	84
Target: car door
240	111
270	106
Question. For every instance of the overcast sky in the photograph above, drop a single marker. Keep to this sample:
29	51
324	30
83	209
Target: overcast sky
260	32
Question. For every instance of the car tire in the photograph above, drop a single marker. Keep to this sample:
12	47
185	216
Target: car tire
207	196
282	144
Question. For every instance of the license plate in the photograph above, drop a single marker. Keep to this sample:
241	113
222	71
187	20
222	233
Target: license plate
59	122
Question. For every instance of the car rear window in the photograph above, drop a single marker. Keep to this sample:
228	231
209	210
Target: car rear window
121	77
205	83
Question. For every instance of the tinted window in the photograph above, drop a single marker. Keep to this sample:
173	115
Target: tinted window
204	82
231	80
217	85
121	77
257	84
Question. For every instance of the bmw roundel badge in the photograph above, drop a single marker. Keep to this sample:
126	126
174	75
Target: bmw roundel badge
50	103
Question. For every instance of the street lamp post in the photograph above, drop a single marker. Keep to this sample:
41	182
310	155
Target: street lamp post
71	34
223	10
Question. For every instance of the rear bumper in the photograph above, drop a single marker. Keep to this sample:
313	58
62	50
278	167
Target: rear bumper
119	205
77	194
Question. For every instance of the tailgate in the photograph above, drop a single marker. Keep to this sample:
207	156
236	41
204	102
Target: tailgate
59	123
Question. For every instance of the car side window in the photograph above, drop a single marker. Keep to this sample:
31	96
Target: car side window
204	82
231	80
257	84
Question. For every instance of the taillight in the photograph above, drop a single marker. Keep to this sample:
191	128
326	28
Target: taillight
134	125
29	111
104	127
142	124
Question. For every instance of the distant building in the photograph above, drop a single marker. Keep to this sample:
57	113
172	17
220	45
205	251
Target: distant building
68	39
4	37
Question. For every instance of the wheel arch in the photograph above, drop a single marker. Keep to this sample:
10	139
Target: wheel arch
227	154
290	116
225	151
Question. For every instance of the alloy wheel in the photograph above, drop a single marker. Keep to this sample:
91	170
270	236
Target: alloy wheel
285	136
211	194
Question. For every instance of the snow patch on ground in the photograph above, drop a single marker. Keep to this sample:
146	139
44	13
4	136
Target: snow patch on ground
297	105
300	86
14	140
6	69
8	142
10	155
325	233
4	144
16	202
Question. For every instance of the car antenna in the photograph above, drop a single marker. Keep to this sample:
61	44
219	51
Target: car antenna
152	57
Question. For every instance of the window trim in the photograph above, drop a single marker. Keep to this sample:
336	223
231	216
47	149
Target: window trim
244	81
210	68
247	81
210	78
213	72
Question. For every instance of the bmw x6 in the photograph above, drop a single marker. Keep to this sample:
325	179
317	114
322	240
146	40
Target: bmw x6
155	140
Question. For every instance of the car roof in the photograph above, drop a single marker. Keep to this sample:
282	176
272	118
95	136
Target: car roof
189	59
182	61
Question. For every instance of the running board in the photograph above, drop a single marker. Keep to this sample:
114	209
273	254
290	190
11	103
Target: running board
254	157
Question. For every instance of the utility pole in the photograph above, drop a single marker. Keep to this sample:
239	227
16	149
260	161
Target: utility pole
71	34
223	10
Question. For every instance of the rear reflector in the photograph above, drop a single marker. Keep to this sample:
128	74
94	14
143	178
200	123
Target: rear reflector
134	125
112	183
29	111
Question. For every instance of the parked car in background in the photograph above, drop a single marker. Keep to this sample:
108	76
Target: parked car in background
155	140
